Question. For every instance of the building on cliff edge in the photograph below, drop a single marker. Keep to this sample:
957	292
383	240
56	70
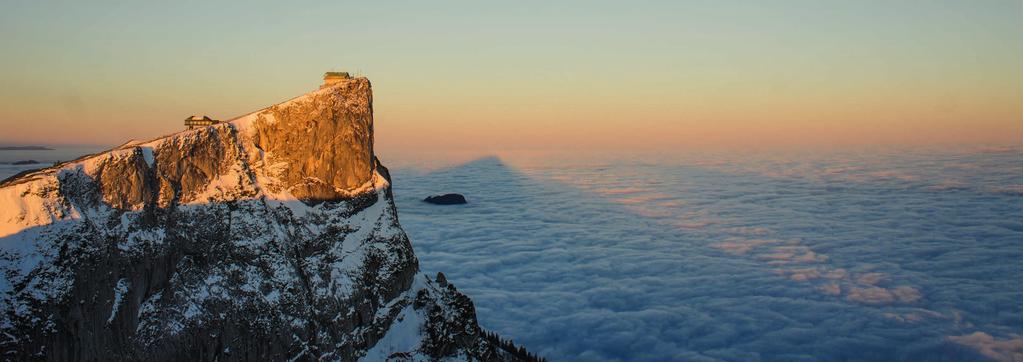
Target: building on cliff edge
330	78
196	121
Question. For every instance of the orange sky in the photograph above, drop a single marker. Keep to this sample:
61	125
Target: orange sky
534	75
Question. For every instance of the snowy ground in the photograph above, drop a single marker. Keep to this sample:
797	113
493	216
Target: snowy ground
878	256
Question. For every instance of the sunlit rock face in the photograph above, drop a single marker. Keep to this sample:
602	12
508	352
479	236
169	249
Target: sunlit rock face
270	237
326	142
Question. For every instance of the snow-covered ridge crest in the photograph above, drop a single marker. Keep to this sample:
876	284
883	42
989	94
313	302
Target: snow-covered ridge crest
316	147
273	236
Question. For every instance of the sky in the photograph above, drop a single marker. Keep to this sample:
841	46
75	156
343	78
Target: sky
528	74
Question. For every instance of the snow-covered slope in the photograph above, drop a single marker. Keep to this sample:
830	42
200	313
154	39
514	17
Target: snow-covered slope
270	237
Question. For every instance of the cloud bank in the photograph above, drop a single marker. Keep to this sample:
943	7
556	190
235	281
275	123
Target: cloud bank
720	260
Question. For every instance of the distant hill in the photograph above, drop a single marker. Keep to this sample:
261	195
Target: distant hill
25	148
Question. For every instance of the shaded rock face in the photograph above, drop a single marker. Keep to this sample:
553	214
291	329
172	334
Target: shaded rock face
271	237
174	171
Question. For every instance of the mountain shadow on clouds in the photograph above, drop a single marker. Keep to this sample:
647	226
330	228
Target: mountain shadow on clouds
579	275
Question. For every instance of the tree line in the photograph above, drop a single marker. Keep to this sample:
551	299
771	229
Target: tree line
509	346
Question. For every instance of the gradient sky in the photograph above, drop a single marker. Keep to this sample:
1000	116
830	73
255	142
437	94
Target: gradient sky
528	74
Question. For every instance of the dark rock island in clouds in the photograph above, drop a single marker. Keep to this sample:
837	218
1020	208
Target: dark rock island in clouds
446	199
270	237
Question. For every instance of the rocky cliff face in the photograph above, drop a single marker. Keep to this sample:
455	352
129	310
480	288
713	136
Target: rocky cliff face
270	237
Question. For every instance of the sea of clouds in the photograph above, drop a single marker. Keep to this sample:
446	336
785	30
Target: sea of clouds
742	257
43	158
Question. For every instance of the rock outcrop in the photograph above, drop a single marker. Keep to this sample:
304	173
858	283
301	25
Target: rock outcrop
327	142
446	199
270	237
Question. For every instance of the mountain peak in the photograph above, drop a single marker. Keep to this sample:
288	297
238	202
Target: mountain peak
271	236
323	140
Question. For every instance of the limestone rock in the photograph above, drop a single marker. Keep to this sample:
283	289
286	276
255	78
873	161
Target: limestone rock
326	141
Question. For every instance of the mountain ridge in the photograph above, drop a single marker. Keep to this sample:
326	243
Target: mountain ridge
272	236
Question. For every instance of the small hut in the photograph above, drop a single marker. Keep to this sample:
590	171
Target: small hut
331	78
197	121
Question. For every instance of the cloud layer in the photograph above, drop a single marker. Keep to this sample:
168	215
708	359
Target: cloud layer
717	259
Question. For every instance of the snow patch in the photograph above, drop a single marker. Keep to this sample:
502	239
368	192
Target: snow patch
404	336
119	290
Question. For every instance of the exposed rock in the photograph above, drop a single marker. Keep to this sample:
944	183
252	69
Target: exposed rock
446	199
325	143
196	247
25	162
